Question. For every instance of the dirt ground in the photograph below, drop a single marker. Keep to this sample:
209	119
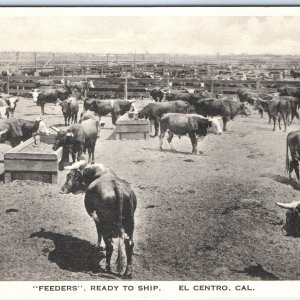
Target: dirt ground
206	217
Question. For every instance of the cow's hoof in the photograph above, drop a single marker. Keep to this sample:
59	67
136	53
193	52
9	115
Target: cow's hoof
126	276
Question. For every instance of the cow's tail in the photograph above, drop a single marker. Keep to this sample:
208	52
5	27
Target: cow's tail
120	201
121	261
287	161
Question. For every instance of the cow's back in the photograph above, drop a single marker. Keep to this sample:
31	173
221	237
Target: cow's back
90	128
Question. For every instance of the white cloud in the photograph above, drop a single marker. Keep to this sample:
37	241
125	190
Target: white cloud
191	35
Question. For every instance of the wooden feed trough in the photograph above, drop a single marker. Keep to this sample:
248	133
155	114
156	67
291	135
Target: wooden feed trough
28	161
131	129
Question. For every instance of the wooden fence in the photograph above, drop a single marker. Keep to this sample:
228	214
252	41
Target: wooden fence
137	87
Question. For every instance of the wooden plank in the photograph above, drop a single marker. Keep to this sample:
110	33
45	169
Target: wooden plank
29	165
132	128
24	145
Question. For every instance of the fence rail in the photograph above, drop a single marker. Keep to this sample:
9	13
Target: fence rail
137	87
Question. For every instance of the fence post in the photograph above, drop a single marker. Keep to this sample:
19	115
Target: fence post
257	84
125	89
212	87
8	83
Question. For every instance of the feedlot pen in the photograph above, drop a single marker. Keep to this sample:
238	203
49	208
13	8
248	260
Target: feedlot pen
206	217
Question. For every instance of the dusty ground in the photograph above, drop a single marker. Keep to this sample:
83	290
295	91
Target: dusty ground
206	217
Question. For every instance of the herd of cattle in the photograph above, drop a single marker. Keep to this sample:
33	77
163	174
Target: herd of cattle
110	200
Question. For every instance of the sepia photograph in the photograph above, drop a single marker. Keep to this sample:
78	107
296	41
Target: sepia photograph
152	144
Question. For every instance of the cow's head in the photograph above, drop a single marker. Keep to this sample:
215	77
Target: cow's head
91	84
214	126
292	224
245	109
35	93
282	91
74	180
12	103
61	139
42	129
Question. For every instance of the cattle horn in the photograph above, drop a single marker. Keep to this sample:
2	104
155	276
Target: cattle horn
293	204
70	134
54	128
3	132
76	165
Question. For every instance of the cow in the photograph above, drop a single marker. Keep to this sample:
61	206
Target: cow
295	74
78	138
50	95
289	91
111	202
293	144
46	73
17	130
292	224
182	124
103	107
44	82
3	86
70	108
154	111
191	98
82	86
279	108
11	102
227	109
156	93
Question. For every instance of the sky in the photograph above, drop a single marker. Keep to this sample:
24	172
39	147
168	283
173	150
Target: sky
161	34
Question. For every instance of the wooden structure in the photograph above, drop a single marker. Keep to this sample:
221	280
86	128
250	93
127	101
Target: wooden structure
131	129
38	166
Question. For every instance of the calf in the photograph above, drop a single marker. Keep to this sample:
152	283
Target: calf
279	109
191	124
111	202
78	138
70	110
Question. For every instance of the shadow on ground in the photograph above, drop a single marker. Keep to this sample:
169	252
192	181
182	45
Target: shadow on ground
71	253
284	180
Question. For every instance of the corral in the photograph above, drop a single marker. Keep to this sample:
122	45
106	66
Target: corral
206	217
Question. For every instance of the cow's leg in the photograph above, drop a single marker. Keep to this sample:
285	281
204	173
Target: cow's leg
80	151
225	120
270	118
161	139
43	109
156	126
114	118
261	111
90	153
109	251
129	244
93	153
274	121
193	138
294	165
169	139
100	244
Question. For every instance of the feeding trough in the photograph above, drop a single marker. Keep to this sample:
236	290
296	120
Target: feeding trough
30	161
132	128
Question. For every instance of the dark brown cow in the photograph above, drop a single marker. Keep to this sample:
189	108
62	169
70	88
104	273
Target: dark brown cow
77	138
154	111
227	109
111	202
